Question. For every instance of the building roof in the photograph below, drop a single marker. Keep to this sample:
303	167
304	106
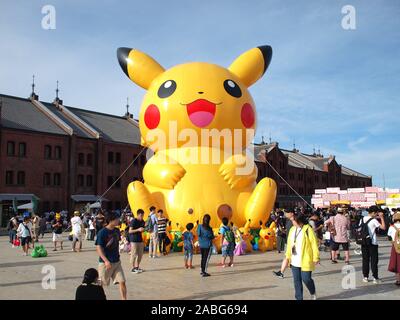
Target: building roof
111	127
261	149
299	160
302	160
58	112
351	172
22	114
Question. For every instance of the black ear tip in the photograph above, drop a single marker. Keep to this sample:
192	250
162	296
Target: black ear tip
267	54
122	55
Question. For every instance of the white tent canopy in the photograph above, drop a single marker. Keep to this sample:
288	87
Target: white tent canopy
26	206
95	205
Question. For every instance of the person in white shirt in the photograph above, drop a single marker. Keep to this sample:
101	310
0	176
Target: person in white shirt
91	229
394	235
77	231
24	231
370	250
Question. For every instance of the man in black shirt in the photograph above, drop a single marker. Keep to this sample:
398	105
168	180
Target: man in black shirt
136	227
57	226
107	246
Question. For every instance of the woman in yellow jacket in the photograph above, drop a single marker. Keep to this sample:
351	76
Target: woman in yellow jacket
303	254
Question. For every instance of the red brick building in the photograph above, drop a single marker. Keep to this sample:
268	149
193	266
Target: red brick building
64	157
304	173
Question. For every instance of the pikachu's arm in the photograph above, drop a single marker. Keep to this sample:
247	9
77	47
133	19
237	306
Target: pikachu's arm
162	171
239	171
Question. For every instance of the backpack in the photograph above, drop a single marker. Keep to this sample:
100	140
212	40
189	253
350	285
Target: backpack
229	236
362	234
10	225
396	240
149	225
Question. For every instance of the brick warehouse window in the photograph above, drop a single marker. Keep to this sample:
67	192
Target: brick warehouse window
89	160
57	152
10	148
57	179
80	180
9	178
110	181
21	178
81	159
22	149
118	183
89	180
118	157
111	157
47	152
46	179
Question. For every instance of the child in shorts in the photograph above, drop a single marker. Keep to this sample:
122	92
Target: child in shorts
188	246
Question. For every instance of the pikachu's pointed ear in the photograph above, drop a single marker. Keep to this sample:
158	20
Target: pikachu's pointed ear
251	65
138	66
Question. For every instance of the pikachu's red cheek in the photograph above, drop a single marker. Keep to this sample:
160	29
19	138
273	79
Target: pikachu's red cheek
247	115
152	116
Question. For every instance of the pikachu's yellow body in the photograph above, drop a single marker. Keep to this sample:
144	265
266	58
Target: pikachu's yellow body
199	118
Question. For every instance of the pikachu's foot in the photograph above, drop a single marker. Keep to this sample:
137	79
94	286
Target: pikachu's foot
261	202
139	197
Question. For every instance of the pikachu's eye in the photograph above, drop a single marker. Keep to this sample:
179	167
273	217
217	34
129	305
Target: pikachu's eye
232	88
167	89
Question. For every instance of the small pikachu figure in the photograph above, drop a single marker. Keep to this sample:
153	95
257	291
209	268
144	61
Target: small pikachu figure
198	118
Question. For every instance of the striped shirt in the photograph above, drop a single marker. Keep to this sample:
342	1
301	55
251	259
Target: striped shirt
161	225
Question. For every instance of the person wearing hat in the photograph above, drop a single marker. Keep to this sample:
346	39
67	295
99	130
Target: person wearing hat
57	226
77	231
370	250
394	235
90	288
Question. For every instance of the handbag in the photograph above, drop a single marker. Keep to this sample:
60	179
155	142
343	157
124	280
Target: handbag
327	235
16	242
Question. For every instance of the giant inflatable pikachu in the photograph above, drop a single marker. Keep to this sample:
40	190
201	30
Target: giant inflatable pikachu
198	118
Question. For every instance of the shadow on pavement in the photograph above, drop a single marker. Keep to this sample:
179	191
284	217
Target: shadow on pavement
11	284
383	288
235	271
28	263
215	294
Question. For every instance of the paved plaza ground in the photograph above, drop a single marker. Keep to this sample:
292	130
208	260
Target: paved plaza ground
165	278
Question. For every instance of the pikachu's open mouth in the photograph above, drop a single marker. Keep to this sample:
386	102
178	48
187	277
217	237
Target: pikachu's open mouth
201	112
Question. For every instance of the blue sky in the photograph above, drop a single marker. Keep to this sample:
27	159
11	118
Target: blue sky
326	86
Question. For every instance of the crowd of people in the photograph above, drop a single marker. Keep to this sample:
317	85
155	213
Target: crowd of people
300	233
335	229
